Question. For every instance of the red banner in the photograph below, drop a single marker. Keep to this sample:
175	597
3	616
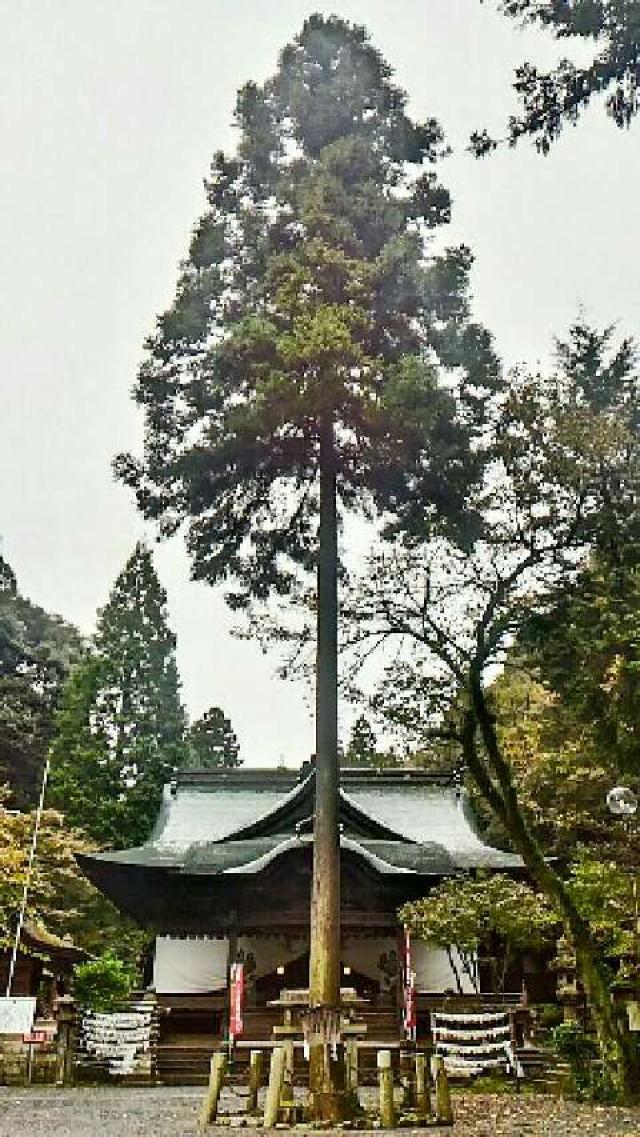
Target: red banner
236	1000
409	1016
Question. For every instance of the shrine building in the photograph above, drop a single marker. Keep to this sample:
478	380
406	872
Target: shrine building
226	876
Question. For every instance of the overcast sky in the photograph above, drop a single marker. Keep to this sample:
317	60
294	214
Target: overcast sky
110	112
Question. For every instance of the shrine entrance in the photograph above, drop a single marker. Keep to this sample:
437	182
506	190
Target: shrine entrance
294	975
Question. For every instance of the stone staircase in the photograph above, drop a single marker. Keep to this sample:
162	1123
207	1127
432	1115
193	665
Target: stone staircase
184	1059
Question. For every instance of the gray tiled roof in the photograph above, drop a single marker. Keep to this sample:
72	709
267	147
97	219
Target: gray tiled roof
195	830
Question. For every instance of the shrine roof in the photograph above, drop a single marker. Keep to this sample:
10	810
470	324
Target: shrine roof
239	821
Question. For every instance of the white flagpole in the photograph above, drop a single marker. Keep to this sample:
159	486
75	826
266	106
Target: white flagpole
27	879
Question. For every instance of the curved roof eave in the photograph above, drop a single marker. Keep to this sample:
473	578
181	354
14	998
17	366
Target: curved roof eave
290	843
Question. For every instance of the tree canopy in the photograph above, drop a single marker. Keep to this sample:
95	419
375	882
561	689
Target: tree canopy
212	742
61	901
120	727
37	651
562	486
550	100
311	295
468	913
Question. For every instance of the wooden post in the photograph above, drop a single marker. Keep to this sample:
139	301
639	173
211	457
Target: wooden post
217	1072
326	1078
66	1041
444	1109
274	1089
407	1079
351	1056
423	1097
385	1083
255	1080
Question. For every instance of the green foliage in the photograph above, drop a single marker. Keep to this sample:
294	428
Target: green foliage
310	306
212	742
102	984
550	100
61	900
560	766
603	893
587	647
548	1015
362	749
589	1078
562	490
37	651
120	726
470	912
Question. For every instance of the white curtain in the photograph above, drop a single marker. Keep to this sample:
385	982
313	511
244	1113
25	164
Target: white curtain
433	969
189	966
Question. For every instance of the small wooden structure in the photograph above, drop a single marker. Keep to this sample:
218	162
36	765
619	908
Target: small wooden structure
44	965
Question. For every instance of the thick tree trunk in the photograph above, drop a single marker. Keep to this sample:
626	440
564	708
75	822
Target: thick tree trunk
499	790
325	1079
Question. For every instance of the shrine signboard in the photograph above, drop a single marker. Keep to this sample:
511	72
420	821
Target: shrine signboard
17	1015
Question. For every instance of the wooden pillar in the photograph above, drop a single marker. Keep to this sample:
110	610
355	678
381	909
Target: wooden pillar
423	1097
65	1056
287	1046
351	1056
444	1109
209	1110
274	1089
326	1078
385	1085
407	1080
255	1080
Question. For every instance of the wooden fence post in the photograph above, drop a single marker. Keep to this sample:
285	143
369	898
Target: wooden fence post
423	1097
407	1080
385	1083
274	1089
351	1062
217	1072
255	1080
444	1109
65	1057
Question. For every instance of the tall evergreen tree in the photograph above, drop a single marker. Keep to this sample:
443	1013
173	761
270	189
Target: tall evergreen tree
363	744
120	728
213	742
37	651
298	372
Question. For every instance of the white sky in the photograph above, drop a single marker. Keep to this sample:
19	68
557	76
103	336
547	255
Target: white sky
109	113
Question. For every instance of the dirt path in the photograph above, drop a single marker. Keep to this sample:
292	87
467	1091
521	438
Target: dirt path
166	1112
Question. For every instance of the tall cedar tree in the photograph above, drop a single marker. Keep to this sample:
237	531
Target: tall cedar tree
213	742
120	728
298	371
311	307
37	651
550	100
363	744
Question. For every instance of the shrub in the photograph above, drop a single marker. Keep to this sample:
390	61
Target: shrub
102	983
589	1078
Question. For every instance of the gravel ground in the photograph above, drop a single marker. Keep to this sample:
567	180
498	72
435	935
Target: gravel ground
167	1112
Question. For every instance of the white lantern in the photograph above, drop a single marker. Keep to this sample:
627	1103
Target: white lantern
622	801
